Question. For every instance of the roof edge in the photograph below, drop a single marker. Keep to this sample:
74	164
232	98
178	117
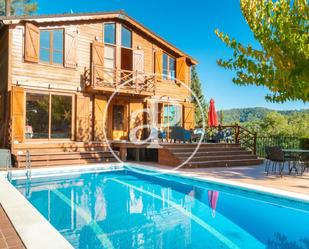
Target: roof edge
119	14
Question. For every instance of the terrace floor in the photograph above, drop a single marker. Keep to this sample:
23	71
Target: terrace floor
9	239
254	175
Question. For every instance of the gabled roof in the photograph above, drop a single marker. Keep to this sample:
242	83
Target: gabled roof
120	15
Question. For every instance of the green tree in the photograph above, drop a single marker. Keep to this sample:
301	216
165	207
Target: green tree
196	87
275	124
19	7
282	63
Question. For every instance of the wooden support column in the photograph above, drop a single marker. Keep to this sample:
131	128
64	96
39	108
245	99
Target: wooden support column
7	8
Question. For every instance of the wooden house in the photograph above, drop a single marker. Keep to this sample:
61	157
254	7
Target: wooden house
58	73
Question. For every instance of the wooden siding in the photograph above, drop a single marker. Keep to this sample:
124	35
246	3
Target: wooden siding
64	78
70	76
4	79
52	76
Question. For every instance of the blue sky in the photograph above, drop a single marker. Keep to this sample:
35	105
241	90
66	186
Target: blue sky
190	26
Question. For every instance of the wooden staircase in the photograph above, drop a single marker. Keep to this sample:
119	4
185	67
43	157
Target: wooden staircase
54	154
208	155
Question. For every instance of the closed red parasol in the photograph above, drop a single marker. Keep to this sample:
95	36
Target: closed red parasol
212	114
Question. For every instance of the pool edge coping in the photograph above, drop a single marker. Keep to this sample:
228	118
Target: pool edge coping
247	186
33	229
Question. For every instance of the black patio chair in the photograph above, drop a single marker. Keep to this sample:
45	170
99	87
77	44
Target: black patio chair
276	156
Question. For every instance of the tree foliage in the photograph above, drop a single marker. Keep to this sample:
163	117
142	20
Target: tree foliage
282	64
268	122
196	87
19	7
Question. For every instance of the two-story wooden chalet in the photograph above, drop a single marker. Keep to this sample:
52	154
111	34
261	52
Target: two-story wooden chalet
58	72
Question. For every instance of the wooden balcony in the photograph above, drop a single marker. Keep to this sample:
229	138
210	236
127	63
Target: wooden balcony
122	81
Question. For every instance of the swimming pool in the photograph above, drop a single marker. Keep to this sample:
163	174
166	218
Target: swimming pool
122	208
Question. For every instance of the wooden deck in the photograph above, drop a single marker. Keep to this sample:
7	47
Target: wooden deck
46	154
208	154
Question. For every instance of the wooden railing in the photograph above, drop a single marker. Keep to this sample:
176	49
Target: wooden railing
236	134
100	78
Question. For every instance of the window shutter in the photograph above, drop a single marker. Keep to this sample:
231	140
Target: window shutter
100	103
138	61
70	47
18	113
32	43
188	116
83	118
181	69
97	61
158	64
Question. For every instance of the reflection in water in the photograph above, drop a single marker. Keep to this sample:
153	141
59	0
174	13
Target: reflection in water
123	210
136	202
213	200
280	241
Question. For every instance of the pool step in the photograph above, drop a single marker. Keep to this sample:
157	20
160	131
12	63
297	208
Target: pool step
64	158
208	155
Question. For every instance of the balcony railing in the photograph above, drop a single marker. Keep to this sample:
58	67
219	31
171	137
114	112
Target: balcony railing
106	79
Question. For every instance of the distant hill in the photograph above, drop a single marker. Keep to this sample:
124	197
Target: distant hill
242	115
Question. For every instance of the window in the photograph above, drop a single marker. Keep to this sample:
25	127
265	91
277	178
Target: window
109	57
172	66
51	46
61	116
110	33
118	117
37	112
126	37
109	64
48	116
172	115
169	67
165	66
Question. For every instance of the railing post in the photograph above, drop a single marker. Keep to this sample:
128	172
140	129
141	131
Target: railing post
237	134
254	143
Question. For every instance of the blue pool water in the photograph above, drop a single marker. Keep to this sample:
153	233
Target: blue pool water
125	209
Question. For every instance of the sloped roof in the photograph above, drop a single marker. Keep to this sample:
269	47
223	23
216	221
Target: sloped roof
121	15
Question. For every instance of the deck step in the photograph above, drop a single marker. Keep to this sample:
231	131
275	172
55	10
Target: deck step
217	158
64	158
211	155
224	163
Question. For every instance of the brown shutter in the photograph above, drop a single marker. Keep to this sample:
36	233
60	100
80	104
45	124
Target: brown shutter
18	113
181	69
70	47
83	117
188	116
32	43
97	61
138	61
100	103
158	64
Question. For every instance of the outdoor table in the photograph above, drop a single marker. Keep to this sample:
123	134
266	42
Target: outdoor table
298	153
